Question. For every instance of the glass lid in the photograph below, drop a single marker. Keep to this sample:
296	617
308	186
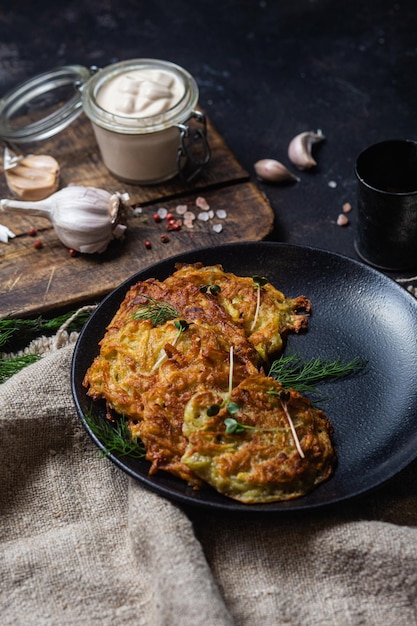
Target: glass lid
44	105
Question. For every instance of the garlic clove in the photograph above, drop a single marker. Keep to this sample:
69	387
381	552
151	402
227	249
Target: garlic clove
5	234
273	171
300	149
85	219
33	177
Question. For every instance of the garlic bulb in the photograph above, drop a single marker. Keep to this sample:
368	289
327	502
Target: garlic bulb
300	148
273	171
85	219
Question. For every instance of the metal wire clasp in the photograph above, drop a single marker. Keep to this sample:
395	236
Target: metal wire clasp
194	150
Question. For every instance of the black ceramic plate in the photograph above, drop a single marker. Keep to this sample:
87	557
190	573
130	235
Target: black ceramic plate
357	312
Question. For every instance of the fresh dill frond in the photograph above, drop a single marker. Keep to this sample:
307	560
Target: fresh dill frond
158	311
9	367
115	436
304	374
15	332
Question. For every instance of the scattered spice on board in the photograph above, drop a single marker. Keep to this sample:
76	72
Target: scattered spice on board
186	215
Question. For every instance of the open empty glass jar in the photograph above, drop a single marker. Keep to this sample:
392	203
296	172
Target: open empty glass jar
142	112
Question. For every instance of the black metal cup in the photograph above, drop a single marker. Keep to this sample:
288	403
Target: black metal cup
387	205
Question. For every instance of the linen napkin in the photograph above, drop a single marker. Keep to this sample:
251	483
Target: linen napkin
82	543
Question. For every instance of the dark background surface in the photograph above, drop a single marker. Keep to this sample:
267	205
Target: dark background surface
266	70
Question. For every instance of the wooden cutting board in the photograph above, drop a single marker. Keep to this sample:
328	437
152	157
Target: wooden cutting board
34	281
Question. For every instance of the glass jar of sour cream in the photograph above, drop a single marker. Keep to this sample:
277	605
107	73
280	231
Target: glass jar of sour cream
139	110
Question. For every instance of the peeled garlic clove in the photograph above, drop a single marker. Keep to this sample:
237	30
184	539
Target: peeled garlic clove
34	177
300	148
6	234
273	171
85	219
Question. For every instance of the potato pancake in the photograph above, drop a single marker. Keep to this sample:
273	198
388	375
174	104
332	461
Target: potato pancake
264	326
133	346
199	360
201	337
260	461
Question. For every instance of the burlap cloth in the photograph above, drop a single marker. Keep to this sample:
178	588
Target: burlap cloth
81	543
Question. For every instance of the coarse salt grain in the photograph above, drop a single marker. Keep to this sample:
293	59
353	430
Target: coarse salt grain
189	215
203	216
347	207
181	209
332	184
202	203
221	214
217	228
162	212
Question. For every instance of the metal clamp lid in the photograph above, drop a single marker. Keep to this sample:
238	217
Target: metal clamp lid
194	148
44	105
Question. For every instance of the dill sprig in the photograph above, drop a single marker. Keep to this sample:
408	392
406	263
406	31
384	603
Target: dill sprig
158	311
304	374
9	367
115	436
21	330
16	333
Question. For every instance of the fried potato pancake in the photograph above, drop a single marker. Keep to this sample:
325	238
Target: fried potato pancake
199	360
259	462
175	347
140	363
238	295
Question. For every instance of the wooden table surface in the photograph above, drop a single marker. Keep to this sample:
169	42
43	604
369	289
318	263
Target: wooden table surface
36	280
266	71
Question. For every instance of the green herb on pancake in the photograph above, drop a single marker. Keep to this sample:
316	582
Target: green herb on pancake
213	290
259	281
157	311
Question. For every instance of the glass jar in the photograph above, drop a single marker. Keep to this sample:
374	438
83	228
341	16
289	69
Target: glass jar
42	106
135	146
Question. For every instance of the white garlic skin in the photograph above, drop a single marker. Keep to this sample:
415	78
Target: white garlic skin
80	229
84	218
273	171
300	149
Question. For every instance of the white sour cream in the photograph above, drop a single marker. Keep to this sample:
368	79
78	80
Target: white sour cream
142	93
137	109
